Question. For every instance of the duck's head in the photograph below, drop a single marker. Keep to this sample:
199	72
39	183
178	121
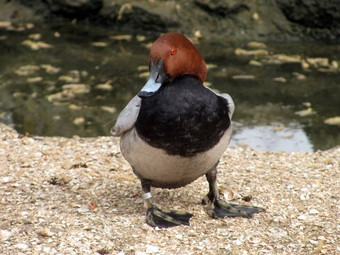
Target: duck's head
172	55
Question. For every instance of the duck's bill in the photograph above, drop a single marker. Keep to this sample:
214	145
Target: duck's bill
149	88
156	78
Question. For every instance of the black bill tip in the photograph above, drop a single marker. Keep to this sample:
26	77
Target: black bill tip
145	94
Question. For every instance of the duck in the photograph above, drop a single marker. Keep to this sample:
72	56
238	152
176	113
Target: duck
175	130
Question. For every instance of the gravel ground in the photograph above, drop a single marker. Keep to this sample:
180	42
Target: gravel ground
79	196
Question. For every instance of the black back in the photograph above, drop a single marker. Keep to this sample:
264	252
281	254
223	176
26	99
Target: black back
183	117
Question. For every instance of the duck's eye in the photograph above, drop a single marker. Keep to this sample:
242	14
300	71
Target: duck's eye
173	51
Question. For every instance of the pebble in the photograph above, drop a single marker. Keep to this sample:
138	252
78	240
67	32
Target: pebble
35	36
306	112
78	121
243	52
238	242
283	59
318	62
45	232
299	76
5	24
303	197
290	186
280	79
313	211
47	249
34	79
256	45
256	16
144	74
140	38
255	63
19	94
207	84
151	249
121	37
108	109
198	35
243	77
68	152
211	66
307	104
304	190
313	241
278	219
4	234
21	246
104	86
50	69
76	88
29	68
74	107
228	194
333	121
36	45
142	68
29	25
38	154
303	217
6	179
69	78
99	44
60	96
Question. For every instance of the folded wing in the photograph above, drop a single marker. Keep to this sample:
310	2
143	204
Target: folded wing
128	117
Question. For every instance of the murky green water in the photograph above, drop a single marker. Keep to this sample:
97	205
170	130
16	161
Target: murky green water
36	96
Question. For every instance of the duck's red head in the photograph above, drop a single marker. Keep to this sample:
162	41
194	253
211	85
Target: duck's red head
179	56
172	55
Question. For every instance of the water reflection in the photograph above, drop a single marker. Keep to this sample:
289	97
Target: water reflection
80	82
266	138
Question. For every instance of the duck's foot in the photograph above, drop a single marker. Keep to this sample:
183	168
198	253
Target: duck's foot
156	217
220	209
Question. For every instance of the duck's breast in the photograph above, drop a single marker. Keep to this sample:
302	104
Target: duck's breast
169	171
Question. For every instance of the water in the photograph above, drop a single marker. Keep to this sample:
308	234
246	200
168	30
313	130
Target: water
34	100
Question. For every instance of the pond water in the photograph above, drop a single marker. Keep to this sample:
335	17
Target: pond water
66	80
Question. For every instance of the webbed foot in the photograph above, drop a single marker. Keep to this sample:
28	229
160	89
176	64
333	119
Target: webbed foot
220	209
156	217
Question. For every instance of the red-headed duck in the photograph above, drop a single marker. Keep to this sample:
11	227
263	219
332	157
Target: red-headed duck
175	130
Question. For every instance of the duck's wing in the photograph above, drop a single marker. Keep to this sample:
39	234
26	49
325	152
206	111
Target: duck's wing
128	117
230	101
231	104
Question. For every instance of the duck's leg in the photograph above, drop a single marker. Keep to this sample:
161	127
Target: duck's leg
160	218
218	208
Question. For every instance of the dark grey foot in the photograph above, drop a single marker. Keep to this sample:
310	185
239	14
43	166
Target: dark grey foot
220	209
156	217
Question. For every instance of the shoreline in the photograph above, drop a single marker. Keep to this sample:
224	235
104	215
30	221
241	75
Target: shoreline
78	195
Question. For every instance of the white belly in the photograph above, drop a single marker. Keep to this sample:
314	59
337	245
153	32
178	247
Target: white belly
168	171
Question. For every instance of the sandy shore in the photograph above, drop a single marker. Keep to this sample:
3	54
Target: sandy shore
79	196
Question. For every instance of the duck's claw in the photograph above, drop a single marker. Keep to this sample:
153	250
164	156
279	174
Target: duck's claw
156	217
220	209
